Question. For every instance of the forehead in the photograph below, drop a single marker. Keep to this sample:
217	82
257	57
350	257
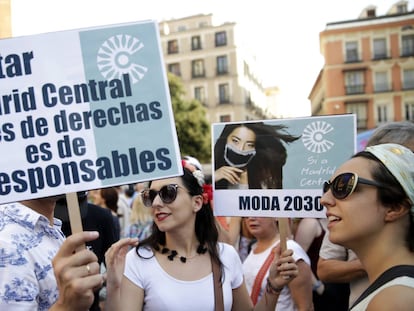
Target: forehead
243	133
363	167
157	184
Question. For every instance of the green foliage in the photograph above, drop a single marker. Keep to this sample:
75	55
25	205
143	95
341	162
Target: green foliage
193	129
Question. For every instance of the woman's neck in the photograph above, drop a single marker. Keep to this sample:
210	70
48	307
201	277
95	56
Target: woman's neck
263	243
185	245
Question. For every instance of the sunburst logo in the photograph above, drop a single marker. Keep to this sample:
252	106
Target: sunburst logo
314	137
116	57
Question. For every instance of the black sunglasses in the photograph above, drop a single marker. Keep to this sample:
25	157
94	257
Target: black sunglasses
344	185
167	193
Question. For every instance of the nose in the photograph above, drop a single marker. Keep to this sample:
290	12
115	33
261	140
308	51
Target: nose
328	199
157	202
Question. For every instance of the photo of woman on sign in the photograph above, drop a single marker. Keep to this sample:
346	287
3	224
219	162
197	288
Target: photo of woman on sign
250	155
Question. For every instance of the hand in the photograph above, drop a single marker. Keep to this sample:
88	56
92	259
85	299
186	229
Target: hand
115	261
283	268
77	273
229	173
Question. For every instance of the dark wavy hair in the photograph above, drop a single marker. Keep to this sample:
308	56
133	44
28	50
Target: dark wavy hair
391	194
205	224
110	197
265	169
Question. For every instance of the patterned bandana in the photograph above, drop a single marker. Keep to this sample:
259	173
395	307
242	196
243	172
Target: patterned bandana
399	160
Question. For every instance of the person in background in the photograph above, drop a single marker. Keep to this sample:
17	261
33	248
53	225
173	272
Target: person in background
240	237
94	218
141	220
309	235
298	294
370	209
108	198
39	270
124	208
250	156
178	266
338	264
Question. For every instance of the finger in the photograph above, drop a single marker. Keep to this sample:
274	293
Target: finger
65	265
91	268
119	248
235	170
87	285
76	240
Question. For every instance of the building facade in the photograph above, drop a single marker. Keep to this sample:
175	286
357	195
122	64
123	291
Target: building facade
369	68
214	67
5	19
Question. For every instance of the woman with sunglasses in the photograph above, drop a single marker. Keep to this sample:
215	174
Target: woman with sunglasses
370	209
175	267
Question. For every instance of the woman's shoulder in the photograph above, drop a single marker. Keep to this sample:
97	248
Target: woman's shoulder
227	251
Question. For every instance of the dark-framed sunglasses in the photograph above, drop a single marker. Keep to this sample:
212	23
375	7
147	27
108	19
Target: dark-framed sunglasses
167	193
344	185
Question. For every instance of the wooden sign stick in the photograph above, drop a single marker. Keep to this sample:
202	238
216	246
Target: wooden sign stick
74	213
284	232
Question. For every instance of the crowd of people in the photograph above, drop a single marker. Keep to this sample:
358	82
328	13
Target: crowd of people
158	245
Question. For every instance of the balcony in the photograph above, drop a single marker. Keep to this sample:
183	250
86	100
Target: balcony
354	89
382	88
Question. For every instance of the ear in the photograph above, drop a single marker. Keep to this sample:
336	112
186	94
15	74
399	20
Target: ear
197	203
396	212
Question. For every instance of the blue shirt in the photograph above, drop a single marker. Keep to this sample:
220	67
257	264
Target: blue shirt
28	244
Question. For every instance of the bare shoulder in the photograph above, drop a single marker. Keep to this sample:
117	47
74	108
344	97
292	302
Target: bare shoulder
397	297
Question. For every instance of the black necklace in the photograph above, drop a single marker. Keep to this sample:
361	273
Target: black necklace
171	254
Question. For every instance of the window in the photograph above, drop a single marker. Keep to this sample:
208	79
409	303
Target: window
175	69
360	110
225	118
408	79
409	111
221	38
380	48
197	67
381	81
382	114
224	96
351	50
401	8
354	82
222	66
172	46
181	28
195	43
407	45
199	94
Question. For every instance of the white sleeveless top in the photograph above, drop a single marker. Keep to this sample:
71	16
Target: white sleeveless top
403	280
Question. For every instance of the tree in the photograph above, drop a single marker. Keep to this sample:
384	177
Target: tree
193	129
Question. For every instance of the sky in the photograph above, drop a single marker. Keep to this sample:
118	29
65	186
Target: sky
283	34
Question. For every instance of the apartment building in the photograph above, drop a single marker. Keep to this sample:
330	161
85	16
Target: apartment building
369	67
215	68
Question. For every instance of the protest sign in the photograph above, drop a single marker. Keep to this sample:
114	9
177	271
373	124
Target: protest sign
84	109
278	175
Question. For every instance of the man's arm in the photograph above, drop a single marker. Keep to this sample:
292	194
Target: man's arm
338	271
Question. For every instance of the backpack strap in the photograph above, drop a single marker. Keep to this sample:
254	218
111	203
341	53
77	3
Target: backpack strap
387	276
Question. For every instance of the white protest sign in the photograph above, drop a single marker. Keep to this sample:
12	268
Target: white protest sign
260	173
84	109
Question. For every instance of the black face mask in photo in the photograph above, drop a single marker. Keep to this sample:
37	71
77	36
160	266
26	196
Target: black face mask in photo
238	158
